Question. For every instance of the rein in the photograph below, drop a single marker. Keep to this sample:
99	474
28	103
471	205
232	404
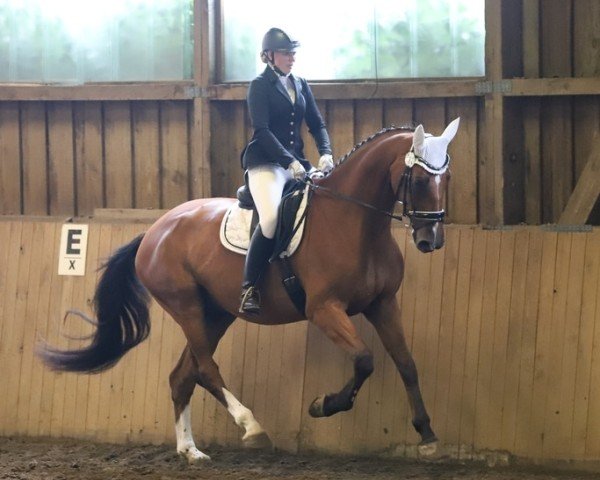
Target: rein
406	185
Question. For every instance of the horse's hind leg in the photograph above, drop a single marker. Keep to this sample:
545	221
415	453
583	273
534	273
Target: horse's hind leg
385	317
334	322
197	366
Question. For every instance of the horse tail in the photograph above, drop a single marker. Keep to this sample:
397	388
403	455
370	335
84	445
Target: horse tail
121	307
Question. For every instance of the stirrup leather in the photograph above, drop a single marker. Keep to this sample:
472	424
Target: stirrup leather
250	301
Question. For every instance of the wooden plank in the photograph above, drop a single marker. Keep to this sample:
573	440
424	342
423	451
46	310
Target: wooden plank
174	173
118	155
183	90
227	173
571	341
35	167
586	50
533	161
553	442
355	433
556	157
455	418
394	407
501	326
473	325
543	374
7	259
47	268
484	435
293	367
341	131
146	154
362	90
15	341
518	291
61	162
491	194
431	113
583	308
89	167
440	407
8	355
563	85
592	446
154	380
368	118
462	189
53	338
200	168
586	192
525	435
556	39
586	128
398	112
234	383
428	366
531	38
10	159
29	318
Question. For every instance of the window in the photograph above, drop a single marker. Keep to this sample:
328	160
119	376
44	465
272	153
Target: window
75	41
360	40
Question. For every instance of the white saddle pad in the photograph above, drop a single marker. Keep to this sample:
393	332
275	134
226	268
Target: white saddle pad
235	228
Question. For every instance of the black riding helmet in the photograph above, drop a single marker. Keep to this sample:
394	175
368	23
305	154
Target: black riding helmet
276	40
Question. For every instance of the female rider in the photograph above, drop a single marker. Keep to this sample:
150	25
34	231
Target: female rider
278	103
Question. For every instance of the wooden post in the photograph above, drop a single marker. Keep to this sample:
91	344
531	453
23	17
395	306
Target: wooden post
491	201
200	124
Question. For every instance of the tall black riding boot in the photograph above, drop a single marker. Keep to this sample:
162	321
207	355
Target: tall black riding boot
258	254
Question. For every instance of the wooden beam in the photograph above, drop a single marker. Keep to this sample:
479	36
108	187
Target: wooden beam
538	87
200	124
106	91
459	87
491	191
586	192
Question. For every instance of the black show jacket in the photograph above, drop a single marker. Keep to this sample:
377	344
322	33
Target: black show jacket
277	122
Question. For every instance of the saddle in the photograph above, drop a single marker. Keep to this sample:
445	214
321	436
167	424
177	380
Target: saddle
241	219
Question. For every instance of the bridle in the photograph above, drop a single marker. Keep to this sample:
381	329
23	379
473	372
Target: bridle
405	185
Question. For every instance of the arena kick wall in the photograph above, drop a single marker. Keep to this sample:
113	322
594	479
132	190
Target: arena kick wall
504	326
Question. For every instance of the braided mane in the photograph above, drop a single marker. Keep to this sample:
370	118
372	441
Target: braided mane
391	128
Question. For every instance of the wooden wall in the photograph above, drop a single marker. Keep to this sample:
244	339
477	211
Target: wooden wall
559	133
504	326
68	158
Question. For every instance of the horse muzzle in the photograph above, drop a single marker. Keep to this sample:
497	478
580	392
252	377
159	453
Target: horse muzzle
429	237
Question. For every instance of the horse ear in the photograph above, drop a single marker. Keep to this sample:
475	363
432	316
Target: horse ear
451	130
419	140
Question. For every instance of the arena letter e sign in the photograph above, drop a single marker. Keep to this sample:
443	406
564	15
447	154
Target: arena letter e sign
73	248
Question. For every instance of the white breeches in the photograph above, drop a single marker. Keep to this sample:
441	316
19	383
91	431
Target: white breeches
266	184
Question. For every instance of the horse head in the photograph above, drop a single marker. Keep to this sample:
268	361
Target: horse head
422	186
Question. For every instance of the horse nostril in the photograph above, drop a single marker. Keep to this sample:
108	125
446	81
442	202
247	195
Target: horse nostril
425	246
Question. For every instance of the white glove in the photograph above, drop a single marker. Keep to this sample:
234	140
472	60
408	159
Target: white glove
315	174
325	163
297	169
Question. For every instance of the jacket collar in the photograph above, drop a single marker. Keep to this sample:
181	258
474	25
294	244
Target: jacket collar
274	78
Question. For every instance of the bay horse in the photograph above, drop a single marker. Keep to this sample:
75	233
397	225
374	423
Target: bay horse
348	262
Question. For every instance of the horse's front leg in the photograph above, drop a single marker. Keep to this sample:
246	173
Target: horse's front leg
334	322
384	314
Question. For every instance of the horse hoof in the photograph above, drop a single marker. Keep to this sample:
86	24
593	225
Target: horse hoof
258	441
428	449
193	455
317	407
